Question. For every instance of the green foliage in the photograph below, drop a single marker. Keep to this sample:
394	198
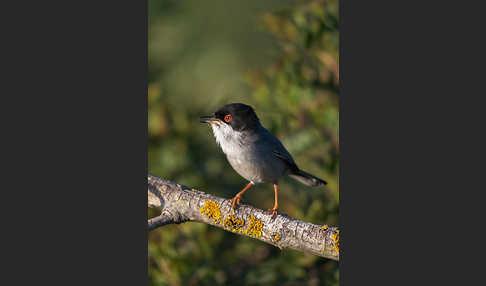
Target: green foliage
280	57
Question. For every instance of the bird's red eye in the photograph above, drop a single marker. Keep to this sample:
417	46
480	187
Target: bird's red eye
228	118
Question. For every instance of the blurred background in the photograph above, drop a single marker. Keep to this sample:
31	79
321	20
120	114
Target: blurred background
281	57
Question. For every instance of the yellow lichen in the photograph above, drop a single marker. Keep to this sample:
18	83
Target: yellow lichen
335	238
255	227
276	237
211	210
234	223
324	227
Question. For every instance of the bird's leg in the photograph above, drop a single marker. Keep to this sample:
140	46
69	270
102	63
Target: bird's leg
236	200
275	206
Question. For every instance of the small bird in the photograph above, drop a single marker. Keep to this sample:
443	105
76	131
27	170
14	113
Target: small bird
253	152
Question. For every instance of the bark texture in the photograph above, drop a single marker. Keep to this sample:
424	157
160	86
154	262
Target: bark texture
179	204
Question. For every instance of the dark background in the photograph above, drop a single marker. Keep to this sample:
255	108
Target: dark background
281	57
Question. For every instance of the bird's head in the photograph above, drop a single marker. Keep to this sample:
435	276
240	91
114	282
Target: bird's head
236	116
231	124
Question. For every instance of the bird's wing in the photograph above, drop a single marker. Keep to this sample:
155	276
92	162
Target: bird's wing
286	158
278	150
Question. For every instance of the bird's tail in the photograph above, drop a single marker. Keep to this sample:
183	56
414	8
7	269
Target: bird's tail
307	179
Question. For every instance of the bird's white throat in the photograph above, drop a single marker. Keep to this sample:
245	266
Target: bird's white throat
229	139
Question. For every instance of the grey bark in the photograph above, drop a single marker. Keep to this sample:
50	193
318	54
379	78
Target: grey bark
179	204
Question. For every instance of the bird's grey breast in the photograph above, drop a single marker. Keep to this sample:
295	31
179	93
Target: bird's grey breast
250	154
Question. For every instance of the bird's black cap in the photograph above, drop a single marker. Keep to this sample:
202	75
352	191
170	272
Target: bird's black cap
238	115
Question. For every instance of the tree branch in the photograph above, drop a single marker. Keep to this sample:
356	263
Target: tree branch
179	204
161	220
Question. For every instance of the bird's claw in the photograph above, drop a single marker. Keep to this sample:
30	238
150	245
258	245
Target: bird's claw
273	212
234	202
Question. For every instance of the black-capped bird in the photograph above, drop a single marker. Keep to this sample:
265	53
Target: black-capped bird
253	152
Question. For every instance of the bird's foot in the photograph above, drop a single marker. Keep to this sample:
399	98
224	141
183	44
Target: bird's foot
234	202
273	212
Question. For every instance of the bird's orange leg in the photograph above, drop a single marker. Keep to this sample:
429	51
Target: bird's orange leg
236	200
275	206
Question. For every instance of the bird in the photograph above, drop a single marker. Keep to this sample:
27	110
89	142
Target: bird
254	152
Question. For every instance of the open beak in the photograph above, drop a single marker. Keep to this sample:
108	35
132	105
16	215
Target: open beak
208	119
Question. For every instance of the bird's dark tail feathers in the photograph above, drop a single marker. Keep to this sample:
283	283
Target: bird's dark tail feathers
307	179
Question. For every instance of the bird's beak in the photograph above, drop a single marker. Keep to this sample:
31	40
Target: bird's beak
208	118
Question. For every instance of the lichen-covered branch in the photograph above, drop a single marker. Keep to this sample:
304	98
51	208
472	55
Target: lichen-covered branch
179	204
